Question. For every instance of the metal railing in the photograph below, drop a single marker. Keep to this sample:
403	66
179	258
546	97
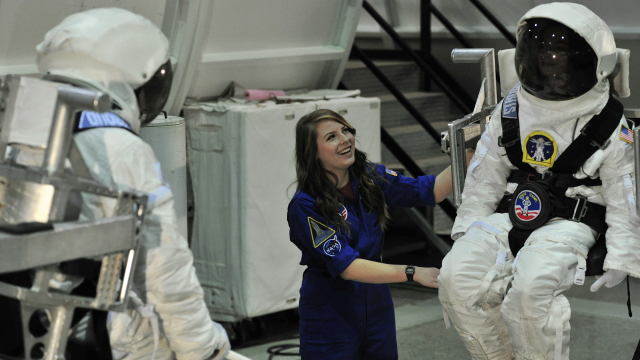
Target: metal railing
439	76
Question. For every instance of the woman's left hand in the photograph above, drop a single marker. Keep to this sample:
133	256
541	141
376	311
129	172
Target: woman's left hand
427	276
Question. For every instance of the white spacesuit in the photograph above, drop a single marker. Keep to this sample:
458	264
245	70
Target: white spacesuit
564	55
126	56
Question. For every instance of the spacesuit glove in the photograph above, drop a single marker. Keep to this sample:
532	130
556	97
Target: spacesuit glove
609	279
224	346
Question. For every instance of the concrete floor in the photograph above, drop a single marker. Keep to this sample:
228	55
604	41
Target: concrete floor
600	325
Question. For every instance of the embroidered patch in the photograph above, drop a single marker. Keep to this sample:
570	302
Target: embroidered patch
626	134
391	172
90	120
319	232
343	212
332	247
539	148
510	104
527	205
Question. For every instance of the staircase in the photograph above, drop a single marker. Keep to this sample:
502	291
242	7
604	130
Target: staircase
402	126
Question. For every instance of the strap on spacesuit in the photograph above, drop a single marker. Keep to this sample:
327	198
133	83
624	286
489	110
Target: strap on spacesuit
93	120
563	180
578	210
510	138
147	311
593	136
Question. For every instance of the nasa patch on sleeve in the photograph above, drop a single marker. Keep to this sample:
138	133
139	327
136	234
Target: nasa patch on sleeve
391	172
332	246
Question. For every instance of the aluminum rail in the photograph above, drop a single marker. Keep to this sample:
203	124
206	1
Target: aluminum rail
69	100
486	58
457	140
636	153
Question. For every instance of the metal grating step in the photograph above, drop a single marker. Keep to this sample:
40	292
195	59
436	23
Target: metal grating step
404	75
433	166
434	107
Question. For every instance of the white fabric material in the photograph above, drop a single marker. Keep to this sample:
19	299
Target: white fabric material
164	275
146	310
534	315
629	188
224	347
609	279
95	48
534	311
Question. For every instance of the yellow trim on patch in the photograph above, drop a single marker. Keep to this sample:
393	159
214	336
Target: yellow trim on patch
325	233
528	159
391	172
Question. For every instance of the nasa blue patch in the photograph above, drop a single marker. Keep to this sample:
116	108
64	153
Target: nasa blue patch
342	210
528	205
510	104
539	148
90	120
391	172
332	246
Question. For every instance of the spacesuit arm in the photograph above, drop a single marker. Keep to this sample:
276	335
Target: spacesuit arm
404	191
166	273
309	230
618	185
486	179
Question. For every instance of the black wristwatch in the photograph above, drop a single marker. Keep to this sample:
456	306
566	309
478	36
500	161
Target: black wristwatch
410	270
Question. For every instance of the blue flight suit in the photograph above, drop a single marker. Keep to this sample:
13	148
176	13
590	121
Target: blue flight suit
341	319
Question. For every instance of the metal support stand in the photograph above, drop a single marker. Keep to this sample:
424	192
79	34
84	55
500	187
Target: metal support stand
470	127
44	191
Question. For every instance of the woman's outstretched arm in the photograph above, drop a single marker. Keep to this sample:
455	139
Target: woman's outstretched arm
372	272
444	184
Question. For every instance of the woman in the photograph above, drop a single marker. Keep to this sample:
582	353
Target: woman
336	219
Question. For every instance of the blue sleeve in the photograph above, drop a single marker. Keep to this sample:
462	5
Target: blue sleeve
322	241
404	191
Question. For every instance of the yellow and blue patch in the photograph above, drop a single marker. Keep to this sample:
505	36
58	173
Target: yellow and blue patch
319	232
539	148
391	172
626	134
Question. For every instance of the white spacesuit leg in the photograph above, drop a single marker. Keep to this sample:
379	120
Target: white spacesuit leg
535	311
473	280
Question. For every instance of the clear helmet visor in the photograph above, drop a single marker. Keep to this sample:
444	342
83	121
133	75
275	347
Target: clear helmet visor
153	95
553	61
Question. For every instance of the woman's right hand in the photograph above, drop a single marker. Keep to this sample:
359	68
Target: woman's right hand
427	276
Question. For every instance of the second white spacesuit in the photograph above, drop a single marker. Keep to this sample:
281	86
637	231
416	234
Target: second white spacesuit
126	56
532	320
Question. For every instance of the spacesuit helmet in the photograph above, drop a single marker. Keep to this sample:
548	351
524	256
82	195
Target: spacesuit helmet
564	50
553	61
115	51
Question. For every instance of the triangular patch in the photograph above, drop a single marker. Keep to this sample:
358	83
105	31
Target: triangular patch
319	232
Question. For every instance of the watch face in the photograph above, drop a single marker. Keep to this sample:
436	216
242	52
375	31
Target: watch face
410	270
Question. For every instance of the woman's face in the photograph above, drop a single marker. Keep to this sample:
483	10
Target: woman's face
336	146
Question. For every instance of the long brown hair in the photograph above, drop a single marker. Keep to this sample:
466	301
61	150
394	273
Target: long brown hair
315	180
